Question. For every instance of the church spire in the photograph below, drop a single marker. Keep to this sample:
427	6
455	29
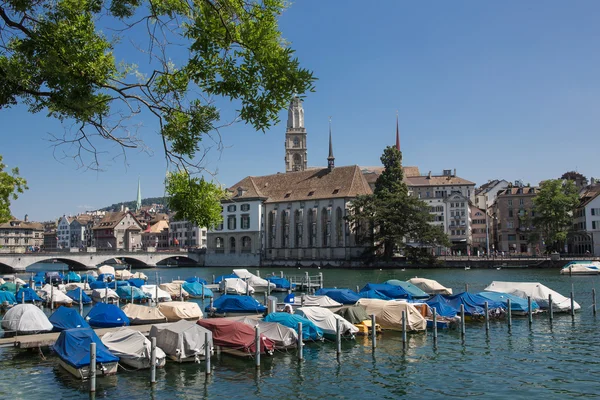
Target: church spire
138	203
331	158
397	133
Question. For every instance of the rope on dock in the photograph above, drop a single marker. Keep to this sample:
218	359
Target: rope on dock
41	353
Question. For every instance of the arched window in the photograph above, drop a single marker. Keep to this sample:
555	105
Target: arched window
298	231
312	226
219	245
232	245
339	227
285	228
246	244
326	227
271	227
296	141
297	162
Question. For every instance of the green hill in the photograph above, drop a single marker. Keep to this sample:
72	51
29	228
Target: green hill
131	204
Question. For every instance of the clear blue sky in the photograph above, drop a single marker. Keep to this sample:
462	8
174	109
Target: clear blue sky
494	89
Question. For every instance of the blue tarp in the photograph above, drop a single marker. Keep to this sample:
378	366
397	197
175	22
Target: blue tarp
101	285
195	289
124	293
195	279
88	278
72	276
442	307
137	282
281	283
30	295
52	277
373	294
8	297
517	304
394	292
39	279
67	318
473	303
220	278
106	316
106	277
309	330
237	304
73	347
74	295
344	296
414	291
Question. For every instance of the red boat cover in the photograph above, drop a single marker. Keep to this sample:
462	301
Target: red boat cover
235	335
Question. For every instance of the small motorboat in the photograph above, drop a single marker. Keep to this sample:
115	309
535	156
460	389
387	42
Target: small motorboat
155	293
27	295
175	290
357	315
309	330
106	316
538	293
430	286
229	304
197	290
133	349
327	321
131	294
143	315
77	294
283	337
581	268
25	319
105	295
178	310
51	294
256	282
236	338
342	296
183	341
389	314
281	284
67	318
235	286
312	301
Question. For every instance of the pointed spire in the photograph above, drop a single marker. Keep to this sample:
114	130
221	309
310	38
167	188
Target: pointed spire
397	133
330	159
138	203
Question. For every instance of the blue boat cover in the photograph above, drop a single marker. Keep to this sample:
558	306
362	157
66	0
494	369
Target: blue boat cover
8	297
106	316
30	295
391	291
124	292
72	276
88	278
137	282
73	347
67	318
74	295
442	307
309	330
196	279
344	296
52	277
414	291
516	303
280	283
290	299
106	277
39	279
101	285
474	304
373	294
220	278
195	289
236	303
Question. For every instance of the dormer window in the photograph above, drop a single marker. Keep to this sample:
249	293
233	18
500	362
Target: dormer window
311	192
336	191
287	195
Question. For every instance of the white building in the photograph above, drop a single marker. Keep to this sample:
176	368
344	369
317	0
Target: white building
586	224
63	232
486	194
184	234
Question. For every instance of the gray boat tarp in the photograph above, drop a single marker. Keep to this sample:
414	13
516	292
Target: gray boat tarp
388	314
354	314
26	318
181	339
127	343
317	301
326	320
141	315
281	335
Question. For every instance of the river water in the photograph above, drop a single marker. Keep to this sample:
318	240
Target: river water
558	360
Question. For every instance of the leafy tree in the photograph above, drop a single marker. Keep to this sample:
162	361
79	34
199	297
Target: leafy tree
576	177
60	57
554	206
390	216
11	184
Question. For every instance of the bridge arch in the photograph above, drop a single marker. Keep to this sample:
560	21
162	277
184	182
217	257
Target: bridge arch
72	264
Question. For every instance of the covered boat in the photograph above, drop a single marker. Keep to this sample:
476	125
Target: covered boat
357	315
373	294
49	294
75	296
281	284
7	298
139	275
236	304
106	278
391	291
178	310
518	305
183	341
197	279
342	296
88	278
235	286
442	307
143	315
536	291
104	295
235	337
259	284
388	314
53	277
131	294
581	268
107	270
316	301
67	318
430	286
137	282
123	274
73	286
155	293
9	287
28	294
106	316
282	336
72	276
73	349
415	292
25	319
133	349
326	320
175	290
474	305
197	290
309	330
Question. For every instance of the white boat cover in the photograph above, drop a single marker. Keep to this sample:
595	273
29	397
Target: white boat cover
127	343
258	283
181	339
281	335
92	272
141	315
26	318
99	295
430	286
174	289
178	310
73	286
318	301
388	314
326	320
234	286
538	292
150	291
2	281
140	275
58	296
123	274
106	269
19	281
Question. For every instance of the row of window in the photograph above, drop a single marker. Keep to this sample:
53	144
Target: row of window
458	232
243	207
232	222
478	222
521	202
595	211
458	213
327	222
456	205
246	245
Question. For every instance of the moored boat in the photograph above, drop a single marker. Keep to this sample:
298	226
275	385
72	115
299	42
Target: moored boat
235	286
175	290
143	315
581	268
183	341
229	304
25	319
236	338
309	330
538	292
77	294
389	314
155	293
357	315
430	286
106	316
133	349
259	284
342	296
282	336
178	310
327	321
67	318
197	290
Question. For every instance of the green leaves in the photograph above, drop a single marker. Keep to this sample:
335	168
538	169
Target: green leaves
11	185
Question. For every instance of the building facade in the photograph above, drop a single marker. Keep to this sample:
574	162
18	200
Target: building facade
296	153
18	236
479	231
118	231
486	194
184	234
63	232
585	237
156	236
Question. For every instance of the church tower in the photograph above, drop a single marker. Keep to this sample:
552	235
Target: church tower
295	138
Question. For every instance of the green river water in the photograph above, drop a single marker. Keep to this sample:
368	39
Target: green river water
558	360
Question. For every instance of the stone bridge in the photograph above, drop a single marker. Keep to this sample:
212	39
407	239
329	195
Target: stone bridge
90	260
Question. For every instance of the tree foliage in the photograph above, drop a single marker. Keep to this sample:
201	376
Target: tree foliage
576	177
554	206
390	217
11	185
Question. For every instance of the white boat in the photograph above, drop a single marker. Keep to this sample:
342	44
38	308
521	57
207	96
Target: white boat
183	341
235	286
317	301
283	336
152	291
581	268
123	274
106	269
175	290
49	294
259	284
178	310
429	286
327	321
25	319
538	292
140	275
388	314
143	315
104	295
132	348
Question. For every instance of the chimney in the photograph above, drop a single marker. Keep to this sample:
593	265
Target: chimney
26	218
454	172
429	175
122	207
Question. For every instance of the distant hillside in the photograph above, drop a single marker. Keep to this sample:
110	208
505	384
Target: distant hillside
131	204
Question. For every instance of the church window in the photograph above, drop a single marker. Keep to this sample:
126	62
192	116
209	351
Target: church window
312	226
296	141
339	227
232	245
285	228
326	226
298	230
271	224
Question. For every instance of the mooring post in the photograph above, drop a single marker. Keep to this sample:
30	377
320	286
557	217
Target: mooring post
247	287
266	296
404	329
486	308
572	305
509	314
211	303
207	346
281	274
338	338
357	289
213	281
181	291
152	360
321	280
434	312
106	293
51	295
300	342
466	287
257	346
302	299
550	308
529	310
268	289
462	321
92	367
22	296
81	302
594	302
373	332
131	295
202	287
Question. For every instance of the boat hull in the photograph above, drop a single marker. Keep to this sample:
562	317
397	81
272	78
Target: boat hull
84	372
141	363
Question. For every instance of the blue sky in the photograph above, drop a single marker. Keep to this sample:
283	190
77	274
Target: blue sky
494	89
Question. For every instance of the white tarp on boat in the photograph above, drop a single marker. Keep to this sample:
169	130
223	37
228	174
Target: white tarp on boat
317	301
19	281
326	320
259	284
538	292
151	292
430	286
174	290
140	275
106	269
142	315
58	296
73	286
281	335
123	274
24	319
181	339
388	314
132	348
98	295
234	286
178	310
